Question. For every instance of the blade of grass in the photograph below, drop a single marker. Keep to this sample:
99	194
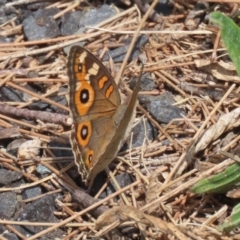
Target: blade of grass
220	182
230	35
232	222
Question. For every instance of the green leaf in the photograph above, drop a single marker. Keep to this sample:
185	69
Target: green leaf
219	183
232	222
230	34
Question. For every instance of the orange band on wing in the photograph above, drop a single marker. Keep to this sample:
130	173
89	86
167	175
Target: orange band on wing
109	91
83	133
102	81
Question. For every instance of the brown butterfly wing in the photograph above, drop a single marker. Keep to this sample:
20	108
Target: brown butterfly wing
94	99
93	91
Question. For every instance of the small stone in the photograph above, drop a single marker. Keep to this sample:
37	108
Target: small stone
90	18
10	94
60	100
123	180
161	107
95	16
163	7
41	210
70	22
10	236
8	203
142	130
31	192
119	53
7	13
38	106
146	83
41	25
25	96
8	176
43	170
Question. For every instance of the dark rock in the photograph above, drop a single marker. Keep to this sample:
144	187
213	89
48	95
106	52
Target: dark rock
123	180
119	53
3	227
10	236
161	107
41	25
70	22
7	13
18	183
24	13
10	94
141	131
95	16
38	5
7	176
31	192
8	203
25	96
146	83
40	210
91	18
164	7
61	100
39	105
24	231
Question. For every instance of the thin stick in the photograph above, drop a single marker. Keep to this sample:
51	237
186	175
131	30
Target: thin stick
117	79
198	133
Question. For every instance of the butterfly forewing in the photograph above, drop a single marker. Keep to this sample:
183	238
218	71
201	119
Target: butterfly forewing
93	100
93	92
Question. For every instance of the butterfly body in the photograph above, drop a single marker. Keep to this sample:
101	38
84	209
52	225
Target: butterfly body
100	120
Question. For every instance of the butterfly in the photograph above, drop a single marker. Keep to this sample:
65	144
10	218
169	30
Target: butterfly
100	120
